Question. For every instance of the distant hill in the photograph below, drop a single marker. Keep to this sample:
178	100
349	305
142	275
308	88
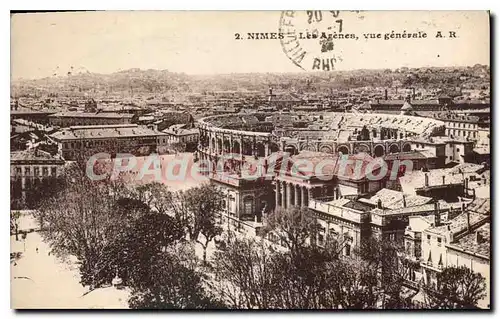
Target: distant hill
162	81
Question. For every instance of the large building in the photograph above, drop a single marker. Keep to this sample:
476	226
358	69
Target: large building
77	142
239	141
182	135
31	172
67	119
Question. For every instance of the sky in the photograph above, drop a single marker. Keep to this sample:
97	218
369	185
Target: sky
194	42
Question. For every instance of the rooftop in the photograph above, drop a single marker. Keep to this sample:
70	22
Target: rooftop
33	155
180	130
393	199
481	206
477	242
435	177
104	131
94	115
459	223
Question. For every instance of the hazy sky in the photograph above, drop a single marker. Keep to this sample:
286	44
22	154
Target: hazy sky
204	42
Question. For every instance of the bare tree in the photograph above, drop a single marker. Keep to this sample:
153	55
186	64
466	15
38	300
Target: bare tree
457	288
295	227
198	209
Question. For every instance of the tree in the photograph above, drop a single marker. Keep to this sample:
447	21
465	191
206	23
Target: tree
157	196
354	284
81	221
173	286
14	223
457	288
295	227
253	274
383	257
243	273
198	209
145	235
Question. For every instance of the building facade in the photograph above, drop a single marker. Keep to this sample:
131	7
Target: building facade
78	142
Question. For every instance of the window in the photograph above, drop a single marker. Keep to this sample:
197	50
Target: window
347	250
458	150
53	171
321	239
27	171
45	171
439	241
18	170
37	171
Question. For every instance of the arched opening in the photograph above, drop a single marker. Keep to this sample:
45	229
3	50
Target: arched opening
326	149
394	148
379	151
227	146
236	147
363	148
343	149
261	150
308	147
247	147
291	149
212	143
406	147
273	147
219	145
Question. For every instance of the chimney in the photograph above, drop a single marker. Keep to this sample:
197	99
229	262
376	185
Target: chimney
437	215
379	203
385	94
413	93
426	180
479	238
443	178
468	221
404	201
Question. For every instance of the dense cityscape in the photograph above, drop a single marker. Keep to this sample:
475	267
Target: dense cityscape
373	190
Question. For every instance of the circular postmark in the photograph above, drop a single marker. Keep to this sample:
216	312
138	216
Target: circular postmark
310	38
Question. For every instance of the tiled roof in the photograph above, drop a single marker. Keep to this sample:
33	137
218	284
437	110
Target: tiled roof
412	155
343	167
32	155
93	115
465	168
393	199
104	131
481	206
458	224
470	241
180	130
416	179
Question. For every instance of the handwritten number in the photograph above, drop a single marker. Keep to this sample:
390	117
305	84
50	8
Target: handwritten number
339	21
317	15
335	14
237	36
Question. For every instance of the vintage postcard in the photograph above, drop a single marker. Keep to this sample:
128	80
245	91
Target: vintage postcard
250	160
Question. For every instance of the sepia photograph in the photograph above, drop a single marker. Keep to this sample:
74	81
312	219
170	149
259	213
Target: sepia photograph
250	160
